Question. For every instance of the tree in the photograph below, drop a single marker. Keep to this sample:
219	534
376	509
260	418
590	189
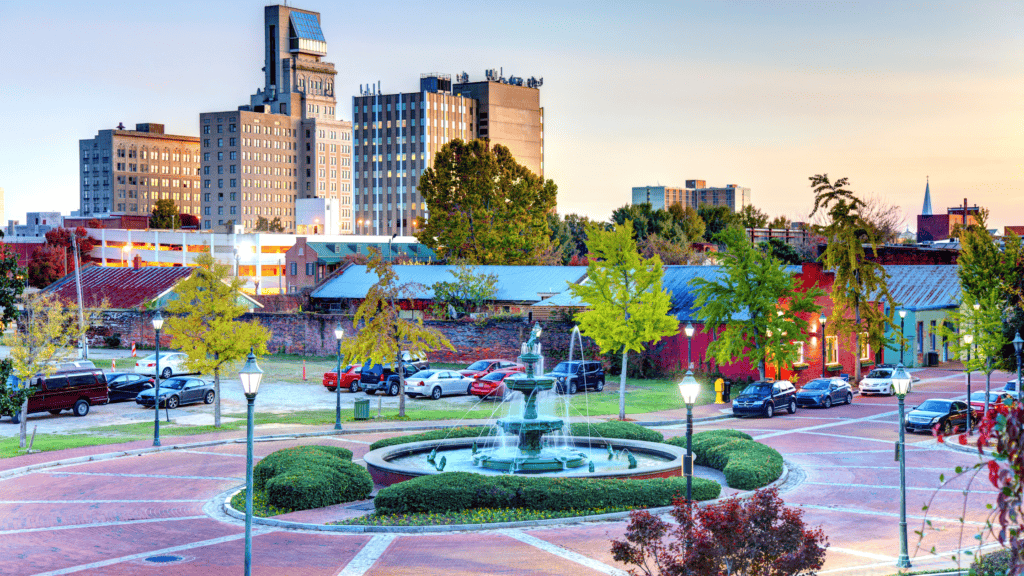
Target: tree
12	285
778	248
204	323
558	234
860	282
689	220
755	537
189	221
165	215
780	223
884	218
485	208
626	304
45	336
467	291
745	299
46	266
716	219
752	217
670	253
383	334
264	225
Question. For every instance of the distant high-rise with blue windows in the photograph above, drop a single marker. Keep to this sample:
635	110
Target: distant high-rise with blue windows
395	137
695	194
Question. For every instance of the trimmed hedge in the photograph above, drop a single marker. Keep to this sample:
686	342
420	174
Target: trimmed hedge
747	464
458	491
307	477
612	429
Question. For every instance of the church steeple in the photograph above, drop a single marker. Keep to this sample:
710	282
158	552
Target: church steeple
926	210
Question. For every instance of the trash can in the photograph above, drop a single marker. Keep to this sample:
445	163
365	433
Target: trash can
727	391
362	409
933	358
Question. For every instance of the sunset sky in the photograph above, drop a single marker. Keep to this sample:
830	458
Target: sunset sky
760	94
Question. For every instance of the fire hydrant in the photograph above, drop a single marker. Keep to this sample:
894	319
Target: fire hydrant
719	388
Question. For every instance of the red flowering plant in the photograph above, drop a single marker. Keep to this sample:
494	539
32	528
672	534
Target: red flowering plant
754	537
1000	445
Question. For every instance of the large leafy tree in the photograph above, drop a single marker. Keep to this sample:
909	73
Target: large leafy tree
716	219
626	304
12	284
485	208
780	249
165	215
56	257
860	287
467	291
46	335
752	217
264	225
689	220
205	323
382	332
746	299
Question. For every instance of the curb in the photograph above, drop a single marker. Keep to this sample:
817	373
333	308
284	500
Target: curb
357	529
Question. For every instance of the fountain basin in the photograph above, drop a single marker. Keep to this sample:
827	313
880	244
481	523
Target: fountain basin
656	460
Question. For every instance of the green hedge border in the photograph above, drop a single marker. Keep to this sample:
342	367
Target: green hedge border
747	464
611	429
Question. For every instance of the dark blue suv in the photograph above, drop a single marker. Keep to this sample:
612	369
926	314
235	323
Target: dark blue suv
765	398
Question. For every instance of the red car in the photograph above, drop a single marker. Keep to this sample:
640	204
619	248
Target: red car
492	384
481	367
349	378
994	397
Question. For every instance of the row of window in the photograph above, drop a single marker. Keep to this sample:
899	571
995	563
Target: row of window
144	154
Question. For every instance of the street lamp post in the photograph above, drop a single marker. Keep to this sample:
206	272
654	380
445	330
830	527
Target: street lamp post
903	316
824	344
339	333
901	382
689	388
689	341
1017	344
969	340
250	375
391	255
158	323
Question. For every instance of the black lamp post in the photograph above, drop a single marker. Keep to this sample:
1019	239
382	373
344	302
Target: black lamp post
968	339
1017	344
903	316
689	388
250	375
339	333
158	323
901	382
689	341
824	344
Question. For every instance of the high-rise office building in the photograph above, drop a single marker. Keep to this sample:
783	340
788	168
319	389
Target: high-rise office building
127	171
397	135
286	148
695	194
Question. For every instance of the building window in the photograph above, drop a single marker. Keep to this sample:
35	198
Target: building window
932	335
831	349
294	268
800	353
310	268
865	347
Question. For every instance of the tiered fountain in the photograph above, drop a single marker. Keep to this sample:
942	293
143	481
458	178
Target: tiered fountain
525	445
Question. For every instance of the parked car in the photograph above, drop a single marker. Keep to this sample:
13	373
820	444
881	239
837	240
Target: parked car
349	378
948	415
765	398
437	383
824	393
493	384
571	377
177	391
1012	388
994	397
171	363
879	381
122	386
378	378
481	367
420	362
74	390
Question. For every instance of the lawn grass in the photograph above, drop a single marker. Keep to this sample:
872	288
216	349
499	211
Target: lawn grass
51	442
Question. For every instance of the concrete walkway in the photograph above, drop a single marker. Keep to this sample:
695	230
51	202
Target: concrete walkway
155	513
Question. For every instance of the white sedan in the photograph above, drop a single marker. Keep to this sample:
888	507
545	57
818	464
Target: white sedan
171	363
879	381
437	383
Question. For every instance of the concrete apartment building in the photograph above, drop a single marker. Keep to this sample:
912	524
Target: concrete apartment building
127	171
285	154
695	194
397	135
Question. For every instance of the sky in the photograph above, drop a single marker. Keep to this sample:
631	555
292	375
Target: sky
759	94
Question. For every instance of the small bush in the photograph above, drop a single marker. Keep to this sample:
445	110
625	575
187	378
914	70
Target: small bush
617	430
747	464
112	341
994	564
458	491
311	477
460	432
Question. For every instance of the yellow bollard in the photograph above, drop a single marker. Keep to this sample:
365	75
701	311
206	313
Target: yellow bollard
719	387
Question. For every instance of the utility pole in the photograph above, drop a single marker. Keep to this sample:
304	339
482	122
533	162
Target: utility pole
78	288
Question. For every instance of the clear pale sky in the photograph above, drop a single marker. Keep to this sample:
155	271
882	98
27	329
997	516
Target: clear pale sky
760	94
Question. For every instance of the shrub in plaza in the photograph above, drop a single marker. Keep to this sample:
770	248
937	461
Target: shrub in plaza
757	536
457	491
307	477
747	464
617	430
460	432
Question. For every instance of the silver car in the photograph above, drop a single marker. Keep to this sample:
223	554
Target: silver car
437	383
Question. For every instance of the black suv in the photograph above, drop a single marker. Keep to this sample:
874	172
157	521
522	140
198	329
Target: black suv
377	378
765	397
571	377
